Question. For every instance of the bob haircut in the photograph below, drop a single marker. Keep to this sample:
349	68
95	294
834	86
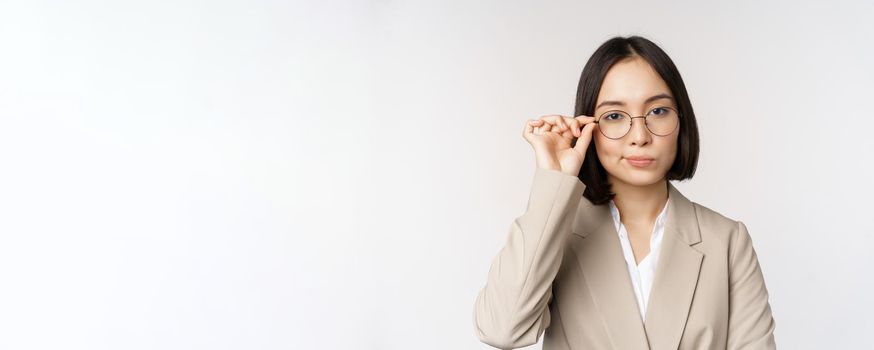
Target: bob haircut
592	173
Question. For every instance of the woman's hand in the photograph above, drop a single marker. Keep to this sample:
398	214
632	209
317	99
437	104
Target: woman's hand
551	138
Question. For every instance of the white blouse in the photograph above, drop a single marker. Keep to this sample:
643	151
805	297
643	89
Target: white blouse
643	274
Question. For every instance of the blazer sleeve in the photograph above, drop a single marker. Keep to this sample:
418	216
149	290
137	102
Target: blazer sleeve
750	323
511	310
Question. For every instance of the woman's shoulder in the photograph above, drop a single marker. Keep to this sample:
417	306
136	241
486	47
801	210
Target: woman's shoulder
711	217
722	235
709	220
714	226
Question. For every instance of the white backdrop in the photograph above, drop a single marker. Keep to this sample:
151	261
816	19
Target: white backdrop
339	175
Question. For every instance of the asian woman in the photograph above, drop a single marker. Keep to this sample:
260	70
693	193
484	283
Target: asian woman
609	254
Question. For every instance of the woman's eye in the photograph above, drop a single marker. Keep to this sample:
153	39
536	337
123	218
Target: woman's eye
658	111
613	116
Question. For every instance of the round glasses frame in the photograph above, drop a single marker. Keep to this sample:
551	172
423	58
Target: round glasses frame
631	122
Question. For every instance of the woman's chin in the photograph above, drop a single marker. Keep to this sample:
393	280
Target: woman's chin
640	178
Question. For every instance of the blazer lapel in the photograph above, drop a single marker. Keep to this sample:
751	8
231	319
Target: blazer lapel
602	262
676	274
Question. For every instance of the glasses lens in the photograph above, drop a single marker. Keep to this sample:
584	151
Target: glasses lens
662	120
614	124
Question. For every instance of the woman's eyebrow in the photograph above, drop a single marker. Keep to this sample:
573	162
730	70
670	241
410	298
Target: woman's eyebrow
648	100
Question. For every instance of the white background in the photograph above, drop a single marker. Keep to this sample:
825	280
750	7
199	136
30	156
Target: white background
339	175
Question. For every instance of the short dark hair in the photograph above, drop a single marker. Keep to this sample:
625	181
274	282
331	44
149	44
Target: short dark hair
592	173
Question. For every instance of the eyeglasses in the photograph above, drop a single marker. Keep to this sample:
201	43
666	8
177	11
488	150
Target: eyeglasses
660	121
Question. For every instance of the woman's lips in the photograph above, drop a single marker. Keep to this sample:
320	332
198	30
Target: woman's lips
641	162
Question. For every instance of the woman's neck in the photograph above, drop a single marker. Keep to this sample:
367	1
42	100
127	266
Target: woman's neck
639	204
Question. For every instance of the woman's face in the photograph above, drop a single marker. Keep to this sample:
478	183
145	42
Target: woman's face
629	86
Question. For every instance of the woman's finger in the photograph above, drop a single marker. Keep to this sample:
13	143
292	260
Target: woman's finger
552	119
534	125
558	121
557	128
562	123
528	130
569	134
584	119
575	126
585	139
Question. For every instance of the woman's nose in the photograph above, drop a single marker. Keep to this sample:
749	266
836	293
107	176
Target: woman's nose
639	133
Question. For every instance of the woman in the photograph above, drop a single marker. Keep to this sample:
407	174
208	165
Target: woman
636	265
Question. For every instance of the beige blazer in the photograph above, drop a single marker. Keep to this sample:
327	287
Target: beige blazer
562	272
